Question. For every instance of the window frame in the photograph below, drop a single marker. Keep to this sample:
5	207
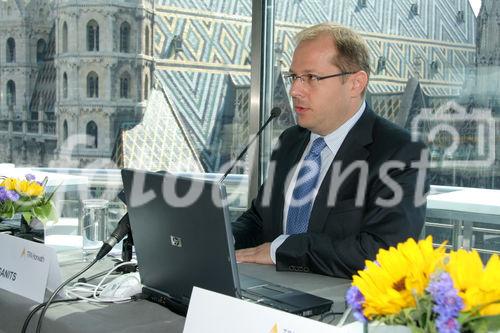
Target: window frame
92	36
10	50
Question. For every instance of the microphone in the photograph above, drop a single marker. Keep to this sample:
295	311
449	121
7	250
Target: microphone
121	230
275	112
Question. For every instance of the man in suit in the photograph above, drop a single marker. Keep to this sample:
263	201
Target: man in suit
344	182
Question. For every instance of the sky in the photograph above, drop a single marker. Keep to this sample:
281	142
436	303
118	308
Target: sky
476	4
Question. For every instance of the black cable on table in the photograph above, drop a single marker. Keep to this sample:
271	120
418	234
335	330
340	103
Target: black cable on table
329	314
42	315
38	307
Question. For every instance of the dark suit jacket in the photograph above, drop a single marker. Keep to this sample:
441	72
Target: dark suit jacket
342	236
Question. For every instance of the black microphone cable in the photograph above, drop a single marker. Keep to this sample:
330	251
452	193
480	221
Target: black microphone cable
275	112
62	285
38	307
121	230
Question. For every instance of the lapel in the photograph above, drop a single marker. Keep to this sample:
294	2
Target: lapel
352	149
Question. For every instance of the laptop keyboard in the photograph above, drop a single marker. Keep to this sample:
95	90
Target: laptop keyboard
248	295
267	291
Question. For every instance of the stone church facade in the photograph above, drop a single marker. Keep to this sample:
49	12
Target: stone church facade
73	75
25	134
104	67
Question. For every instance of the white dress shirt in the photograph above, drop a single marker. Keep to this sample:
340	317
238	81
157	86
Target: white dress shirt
333	142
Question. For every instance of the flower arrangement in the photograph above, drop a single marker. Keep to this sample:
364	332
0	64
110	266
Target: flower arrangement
428	290
28	197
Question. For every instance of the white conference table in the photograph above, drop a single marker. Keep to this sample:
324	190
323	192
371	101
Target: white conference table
464	207
142	315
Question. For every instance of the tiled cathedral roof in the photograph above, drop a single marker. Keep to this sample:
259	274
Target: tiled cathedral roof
213	41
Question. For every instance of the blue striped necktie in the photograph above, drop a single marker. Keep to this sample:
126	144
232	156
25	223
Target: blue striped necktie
302	197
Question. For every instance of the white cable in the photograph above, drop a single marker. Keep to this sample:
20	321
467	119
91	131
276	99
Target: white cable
346	314
104	278
92	291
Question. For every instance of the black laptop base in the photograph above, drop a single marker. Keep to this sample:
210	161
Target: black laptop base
255	295
163	300
283	298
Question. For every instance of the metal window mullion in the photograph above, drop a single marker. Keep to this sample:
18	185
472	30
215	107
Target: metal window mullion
261	74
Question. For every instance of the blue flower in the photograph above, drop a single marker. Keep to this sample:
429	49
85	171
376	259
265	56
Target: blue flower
447	325
30	177
12	195
440	283
355	300
8	195
3	194
447	303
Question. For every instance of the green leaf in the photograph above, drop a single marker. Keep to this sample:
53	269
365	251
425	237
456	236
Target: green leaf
49	197
8	210
27	216
45	212
54	216
484	324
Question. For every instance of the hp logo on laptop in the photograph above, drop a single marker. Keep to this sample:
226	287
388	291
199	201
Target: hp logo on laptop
176	241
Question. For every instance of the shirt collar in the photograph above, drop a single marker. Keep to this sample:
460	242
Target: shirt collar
342	131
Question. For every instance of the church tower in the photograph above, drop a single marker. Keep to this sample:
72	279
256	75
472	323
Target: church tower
104	65
488	55
25	130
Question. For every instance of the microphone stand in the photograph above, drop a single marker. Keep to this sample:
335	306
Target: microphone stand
127	245
275	112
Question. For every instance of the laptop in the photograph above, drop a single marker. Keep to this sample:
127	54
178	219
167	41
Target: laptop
182	237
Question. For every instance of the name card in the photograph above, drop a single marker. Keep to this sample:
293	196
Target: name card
28	268
213	312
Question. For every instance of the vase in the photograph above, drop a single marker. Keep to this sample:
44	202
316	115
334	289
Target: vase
32	230
10	226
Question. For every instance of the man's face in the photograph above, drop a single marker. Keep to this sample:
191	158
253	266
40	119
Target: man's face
321	106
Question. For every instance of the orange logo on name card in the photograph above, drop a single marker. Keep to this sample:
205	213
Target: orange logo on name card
274	329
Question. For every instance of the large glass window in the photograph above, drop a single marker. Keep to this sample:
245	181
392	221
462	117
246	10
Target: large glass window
196	104
437	81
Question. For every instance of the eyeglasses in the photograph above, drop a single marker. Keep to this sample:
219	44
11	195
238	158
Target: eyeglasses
311	79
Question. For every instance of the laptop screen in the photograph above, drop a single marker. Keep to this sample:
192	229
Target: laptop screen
181	231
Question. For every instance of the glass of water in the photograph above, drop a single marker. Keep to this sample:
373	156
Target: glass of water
93	225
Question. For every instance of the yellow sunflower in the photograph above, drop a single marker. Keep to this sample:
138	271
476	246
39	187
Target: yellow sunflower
9	184
490	284
477	285
29	188
391	283
25	188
